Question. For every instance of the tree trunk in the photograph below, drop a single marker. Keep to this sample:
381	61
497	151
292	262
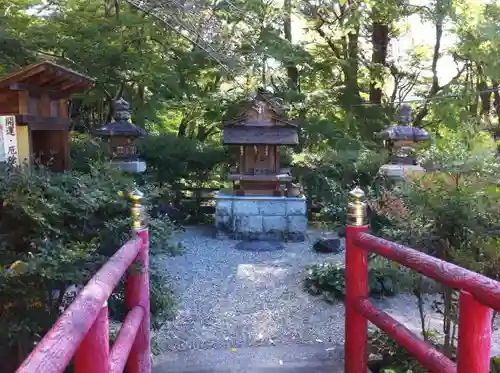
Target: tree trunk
181	132
291	69
496	99
380	42
435	80
482	86
353	63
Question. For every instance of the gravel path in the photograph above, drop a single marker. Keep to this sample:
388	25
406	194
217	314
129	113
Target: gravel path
231	298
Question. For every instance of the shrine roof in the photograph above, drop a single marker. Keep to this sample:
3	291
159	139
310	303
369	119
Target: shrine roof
46	75
276	135
277	113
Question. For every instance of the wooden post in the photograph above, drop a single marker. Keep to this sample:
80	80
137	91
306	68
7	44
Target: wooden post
474	335
356	282
137	290
93	353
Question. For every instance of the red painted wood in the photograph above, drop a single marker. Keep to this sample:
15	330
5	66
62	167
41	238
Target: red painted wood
474	335
356	333
93	353
485	290
125	339
137	294
428	356
56	349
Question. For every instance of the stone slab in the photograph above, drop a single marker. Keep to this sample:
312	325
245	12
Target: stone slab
297	224
245	207
263	236
274	223
261	217
259	245
277	207
224	206
299	358
131	166
247	223
223	222
295	207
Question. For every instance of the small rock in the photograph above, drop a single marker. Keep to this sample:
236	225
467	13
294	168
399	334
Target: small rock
328	243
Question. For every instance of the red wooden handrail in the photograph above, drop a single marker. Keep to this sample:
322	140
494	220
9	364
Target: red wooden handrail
81	333
478	296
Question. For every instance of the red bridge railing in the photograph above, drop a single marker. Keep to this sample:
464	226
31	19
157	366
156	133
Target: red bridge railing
478	296
81	333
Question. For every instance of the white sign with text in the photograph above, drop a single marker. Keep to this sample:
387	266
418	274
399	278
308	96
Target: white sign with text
8	139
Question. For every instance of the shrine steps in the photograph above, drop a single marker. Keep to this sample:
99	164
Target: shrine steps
300	358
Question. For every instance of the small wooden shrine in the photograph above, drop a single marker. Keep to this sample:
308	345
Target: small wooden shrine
259	131
36	97
121	135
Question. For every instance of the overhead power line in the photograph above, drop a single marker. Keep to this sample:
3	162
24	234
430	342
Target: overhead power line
141	5
424	100
212	53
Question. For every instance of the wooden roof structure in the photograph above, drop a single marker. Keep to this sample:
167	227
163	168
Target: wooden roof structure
260	122
47	76
38	97
37	94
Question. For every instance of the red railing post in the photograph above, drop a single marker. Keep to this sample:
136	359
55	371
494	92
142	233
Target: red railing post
137	291
93	353
474	335
356	283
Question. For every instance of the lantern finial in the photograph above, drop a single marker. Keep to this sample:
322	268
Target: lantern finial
122	110
404	115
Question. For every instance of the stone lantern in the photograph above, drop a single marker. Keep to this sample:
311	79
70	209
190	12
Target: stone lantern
121	135
400	140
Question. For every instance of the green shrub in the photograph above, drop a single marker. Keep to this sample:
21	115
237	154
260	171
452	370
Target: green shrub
328	279
176	164
452	213
58	229
172	160
329	175
86	151
392	357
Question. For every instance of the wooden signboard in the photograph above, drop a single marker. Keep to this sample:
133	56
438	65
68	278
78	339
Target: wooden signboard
36	100
8	139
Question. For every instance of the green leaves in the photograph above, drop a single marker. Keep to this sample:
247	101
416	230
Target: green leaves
328	279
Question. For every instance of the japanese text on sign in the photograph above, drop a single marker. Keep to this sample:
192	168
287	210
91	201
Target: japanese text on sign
8	139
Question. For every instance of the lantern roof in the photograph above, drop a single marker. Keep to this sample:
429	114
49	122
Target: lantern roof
404	130
121	125
404	133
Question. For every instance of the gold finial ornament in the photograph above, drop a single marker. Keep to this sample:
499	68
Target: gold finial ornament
137	210
357	208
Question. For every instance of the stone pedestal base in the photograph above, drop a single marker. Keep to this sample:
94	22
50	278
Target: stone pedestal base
131	166
400	171
261	217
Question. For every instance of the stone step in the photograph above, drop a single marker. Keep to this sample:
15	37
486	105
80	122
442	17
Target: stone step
300	358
